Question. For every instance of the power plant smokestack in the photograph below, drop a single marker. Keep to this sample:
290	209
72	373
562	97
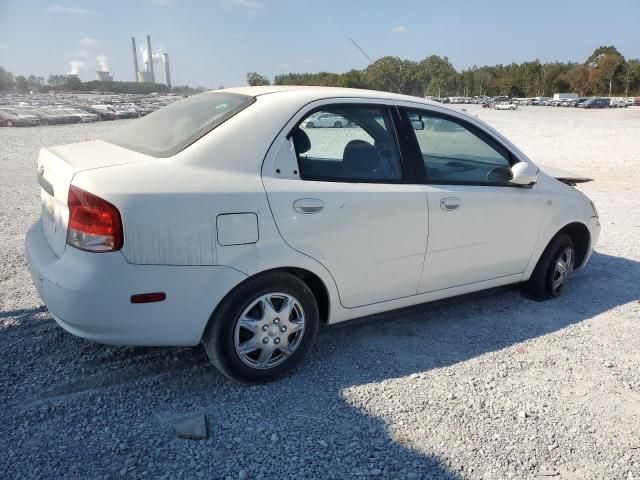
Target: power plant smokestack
135	59
150	60
167	74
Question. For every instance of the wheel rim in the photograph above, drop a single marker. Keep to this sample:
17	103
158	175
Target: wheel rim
269	330
563	268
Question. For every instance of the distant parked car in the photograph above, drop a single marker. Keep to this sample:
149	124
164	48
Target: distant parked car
505	106
48	117
13	118
577	101
595	103
636	102
326	120
618	104
103	114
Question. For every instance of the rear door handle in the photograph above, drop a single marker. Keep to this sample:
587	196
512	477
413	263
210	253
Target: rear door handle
450	203
308	205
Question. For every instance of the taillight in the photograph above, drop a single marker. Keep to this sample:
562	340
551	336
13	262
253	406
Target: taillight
94	224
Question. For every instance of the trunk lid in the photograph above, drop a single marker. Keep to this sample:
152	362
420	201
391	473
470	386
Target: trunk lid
56	169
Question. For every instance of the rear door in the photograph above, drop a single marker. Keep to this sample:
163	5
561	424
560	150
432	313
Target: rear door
481	227
345	197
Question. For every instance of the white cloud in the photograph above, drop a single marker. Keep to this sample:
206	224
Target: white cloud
88	42
70	10
399	29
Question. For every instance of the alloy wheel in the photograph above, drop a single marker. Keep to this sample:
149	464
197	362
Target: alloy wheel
563	268
269	330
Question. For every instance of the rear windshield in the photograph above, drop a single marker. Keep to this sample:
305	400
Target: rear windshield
171	129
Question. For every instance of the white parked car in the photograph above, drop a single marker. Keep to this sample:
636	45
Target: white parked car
198	223
505	106
325	120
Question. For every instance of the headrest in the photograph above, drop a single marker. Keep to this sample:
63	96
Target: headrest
301	140
360	159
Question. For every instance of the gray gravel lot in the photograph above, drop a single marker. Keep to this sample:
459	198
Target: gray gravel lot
485	386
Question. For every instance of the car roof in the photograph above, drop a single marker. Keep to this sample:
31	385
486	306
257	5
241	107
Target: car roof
319	93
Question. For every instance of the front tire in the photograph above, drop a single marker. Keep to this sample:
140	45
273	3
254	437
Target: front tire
551	275
263	328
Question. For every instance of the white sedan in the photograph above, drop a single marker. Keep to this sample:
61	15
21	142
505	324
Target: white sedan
201	223
506	106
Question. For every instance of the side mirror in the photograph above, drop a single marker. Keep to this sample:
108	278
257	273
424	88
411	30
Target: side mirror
524	174
417	124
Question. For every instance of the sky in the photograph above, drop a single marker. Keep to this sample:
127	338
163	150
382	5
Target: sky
215	43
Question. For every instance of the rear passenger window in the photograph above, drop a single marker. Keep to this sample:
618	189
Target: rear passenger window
348	144
454	153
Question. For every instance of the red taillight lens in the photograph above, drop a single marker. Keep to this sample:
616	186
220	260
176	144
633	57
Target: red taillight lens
94	224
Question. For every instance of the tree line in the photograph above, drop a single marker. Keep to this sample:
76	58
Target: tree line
24	84
605	72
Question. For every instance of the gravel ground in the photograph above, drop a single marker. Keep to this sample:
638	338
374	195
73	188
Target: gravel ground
485	386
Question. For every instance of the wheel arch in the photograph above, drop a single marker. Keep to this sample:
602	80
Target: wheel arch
581	238
312	280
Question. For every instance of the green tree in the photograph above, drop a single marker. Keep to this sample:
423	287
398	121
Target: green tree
22	84
7	81
631	75
440	73
254	79
579	80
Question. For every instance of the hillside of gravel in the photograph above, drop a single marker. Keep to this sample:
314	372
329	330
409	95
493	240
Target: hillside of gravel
486	386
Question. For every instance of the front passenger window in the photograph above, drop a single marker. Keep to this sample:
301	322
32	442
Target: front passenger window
454	153
348	144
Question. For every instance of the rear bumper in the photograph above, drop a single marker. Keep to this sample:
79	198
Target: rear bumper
89	295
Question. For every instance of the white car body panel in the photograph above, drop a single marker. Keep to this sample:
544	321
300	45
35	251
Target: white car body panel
199	223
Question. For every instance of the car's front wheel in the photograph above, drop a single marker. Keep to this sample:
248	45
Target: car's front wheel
553	270
263	329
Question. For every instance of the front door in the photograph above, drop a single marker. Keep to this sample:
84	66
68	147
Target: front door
480	226
351	206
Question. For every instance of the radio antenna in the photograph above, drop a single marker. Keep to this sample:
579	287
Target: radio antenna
389	79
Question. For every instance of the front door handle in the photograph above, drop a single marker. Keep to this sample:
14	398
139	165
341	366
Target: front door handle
450	203
308	205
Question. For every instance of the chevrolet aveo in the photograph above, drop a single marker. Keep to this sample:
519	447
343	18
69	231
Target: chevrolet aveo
224	219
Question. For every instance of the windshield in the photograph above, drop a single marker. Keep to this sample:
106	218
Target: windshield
171	129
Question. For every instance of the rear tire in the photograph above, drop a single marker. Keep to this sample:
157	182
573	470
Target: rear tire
551	275
310	125
263	328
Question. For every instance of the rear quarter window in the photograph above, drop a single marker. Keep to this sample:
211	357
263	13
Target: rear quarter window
171	129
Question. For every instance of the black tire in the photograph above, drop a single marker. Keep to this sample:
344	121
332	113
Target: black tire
337	125
310	125
541	284
219	336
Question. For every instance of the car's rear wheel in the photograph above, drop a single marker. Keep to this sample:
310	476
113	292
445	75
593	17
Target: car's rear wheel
310	125
263	329
337	125
553	270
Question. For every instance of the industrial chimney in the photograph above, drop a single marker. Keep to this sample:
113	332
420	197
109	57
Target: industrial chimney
165	65
135	59
150	59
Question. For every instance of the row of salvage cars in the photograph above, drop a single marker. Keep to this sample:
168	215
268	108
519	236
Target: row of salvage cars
33	115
